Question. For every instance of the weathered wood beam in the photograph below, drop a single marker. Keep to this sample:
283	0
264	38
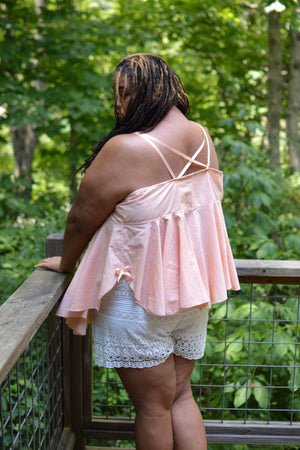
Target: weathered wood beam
266	271
24	313
231	432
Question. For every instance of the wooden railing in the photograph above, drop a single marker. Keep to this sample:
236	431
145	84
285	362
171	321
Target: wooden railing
27	319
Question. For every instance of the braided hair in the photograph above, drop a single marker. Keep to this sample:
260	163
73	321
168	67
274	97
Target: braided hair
154	89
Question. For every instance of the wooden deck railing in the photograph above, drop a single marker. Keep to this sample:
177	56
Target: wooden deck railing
46	391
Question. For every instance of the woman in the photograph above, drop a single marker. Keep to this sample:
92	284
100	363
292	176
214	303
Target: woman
149	204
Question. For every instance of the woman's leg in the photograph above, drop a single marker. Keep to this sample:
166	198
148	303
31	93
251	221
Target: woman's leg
167	416
188	427
152	390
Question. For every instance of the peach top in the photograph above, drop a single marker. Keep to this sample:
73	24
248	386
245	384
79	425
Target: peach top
169	240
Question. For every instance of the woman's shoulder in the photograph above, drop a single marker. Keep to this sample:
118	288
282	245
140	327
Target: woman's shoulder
197	127
121	146
122	140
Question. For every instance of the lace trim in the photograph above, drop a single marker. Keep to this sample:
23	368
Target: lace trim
114	359
146	354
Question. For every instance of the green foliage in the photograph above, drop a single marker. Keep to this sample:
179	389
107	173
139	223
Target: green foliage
11	200
260	204
24	227
67	100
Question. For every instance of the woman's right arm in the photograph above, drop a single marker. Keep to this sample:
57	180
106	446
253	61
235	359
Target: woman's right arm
105	183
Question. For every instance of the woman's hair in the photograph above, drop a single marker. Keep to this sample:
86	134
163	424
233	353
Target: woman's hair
154	89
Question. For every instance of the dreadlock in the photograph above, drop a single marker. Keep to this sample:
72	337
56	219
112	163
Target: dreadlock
154	88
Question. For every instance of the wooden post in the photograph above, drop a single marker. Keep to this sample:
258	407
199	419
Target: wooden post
54	244
76	389
87	370
72	365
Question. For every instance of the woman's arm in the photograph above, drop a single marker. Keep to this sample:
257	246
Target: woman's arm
105	183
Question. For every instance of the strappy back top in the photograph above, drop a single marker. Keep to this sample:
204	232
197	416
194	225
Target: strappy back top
168	239
191	160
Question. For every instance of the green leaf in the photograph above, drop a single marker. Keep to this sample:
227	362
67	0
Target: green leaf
267	251
292	242
240	396
261	394
195	377
260	198
228	389
297	379
234	348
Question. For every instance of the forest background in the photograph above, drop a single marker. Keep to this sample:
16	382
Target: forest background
240	64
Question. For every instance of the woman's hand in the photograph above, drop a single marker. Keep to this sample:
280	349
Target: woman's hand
53	263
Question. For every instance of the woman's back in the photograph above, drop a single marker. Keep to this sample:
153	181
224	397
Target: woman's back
175	131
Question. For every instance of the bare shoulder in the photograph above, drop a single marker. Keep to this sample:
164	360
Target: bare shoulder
122	146
124	155
198	127
114	169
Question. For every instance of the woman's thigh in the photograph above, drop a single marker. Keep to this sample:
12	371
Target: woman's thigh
151	386
160	385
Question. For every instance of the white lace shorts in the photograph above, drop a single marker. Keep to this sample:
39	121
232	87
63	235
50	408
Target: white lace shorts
125	335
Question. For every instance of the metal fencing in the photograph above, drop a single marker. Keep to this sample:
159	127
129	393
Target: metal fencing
251	371
31	396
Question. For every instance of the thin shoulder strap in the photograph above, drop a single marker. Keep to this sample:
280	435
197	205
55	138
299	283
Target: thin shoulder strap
192	159
207	142
147	138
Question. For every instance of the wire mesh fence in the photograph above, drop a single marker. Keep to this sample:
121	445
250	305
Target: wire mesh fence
31	396
250	371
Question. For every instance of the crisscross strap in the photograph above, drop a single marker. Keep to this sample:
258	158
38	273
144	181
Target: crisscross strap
191	160
149	140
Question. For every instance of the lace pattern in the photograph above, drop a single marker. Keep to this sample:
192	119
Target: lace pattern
125	335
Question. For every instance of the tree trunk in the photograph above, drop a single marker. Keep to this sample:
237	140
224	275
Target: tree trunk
293	108
275	86
24	141
38	5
